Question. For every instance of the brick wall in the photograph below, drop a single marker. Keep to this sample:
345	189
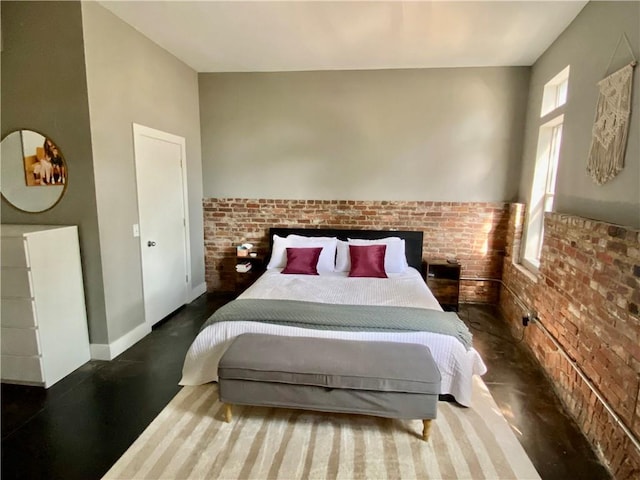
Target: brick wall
587	294
473	232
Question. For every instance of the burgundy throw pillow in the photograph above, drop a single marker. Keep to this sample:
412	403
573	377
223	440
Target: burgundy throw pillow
367	261
302	261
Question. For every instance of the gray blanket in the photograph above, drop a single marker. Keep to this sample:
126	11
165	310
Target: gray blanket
351	318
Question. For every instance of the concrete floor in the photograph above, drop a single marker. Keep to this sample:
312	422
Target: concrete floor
79	427
526	398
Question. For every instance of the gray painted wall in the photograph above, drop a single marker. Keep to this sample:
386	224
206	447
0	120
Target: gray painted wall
588	45
133	80
44	88
436	134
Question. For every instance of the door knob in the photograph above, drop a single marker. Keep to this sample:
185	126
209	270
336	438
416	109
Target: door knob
151	244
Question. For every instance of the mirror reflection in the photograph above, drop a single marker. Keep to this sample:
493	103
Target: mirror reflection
33	171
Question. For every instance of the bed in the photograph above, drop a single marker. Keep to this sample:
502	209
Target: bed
402	291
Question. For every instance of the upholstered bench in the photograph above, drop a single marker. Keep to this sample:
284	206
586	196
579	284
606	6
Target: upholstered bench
384	379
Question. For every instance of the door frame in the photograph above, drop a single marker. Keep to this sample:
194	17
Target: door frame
141	130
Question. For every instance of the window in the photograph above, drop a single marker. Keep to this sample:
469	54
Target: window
547	156
555	92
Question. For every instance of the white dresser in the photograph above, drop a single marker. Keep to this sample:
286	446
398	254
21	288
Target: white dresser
43	316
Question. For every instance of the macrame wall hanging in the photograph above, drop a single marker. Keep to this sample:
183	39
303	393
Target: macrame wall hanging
611	124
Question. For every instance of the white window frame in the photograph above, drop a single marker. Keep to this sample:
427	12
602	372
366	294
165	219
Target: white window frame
555	92
542	196
543	189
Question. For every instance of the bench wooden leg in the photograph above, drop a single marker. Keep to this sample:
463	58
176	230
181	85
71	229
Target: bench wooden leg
227	412
426	430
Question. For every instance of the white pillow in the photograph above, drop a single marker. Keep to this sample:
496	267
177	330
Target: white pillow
326	262
395	259
278	253
343	260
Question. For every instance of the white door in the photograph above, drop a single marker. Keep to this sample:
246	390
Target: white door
162	210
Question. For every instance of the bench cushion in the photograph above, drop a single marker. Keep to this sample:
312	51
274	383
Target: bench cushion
308	397
331	363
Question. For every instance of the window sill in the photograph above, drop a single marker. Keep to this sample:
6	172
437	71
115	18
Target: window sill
528	271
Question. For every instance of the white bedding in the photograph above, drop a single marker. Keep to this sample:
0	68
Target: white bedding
457	365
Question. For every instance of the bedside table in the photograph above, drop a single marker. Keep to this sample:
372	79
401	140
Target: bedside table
245	279
257	261
443	279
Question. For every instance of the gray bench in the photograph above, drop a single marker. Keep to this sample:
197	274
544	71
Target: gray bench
384	379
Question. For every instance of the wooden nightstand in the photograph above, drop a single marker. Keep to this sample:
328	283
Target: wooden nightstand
245	279
443	279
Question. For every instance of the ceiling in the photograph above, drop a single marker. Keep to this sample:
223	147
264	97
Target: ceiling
266	36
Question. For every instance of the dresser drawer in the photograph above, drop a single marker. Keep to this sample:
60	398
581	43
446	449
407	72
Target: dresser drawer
22	369
18	312
19	341
13	252
16	282
43	326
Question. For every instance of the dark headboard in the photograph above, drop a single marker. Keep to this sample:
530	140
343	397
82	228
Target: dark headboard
413	240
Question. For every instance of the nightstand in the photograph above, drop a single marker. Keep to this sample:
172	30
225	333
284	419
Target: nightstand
443	279
245	279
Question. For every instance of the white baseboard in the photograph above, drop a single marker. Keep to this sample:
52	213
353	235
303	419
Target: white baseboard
197	291
101	351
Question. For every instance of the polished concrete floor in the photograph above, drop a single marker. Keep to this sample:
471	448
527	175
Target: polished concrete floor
79	427
526	398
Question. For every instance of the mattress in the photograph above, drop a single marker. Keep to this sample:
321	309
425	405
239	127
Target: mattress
456	363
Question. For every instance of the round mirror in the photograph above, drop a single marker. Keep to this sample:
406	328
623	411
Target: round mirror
33	171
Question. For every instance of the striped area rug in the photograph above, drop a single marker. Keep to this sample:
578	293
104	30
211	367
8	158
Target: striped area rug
189	439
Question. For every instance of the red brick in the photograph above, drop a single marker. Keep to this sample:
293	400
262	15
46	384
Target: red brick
585	293
450	228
